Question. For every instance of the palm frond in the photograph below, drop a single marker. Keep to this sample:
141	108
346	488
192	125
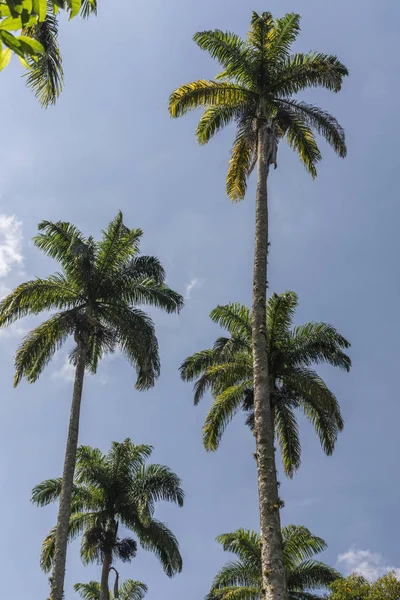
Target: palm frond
235	318
88	591
213	120
280	313
260	27
230	51
148	292
287	433
313	575
39	346
135	334
198	363
77	523
302	71
282	36
46	492
204	93
132	590
298	134
222	411
243	543
45	76
299	544
118	245
236	574
234	593
315	343
324	123
157	538
88	8
36	296
319	405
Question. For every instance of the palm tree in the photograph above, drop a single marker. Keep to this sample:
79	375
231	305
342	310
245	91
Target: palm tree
45	75
256	90
129	590
226	370
242	579
113	490
94	299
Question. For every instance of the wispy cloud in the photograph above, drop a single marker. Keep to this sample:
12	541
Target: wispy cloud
66	372
10	243
193	283
371	565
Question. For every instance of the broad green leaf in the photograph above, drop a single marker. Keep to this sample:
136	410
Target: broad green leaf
11	42
30	45
15	6
4	10
10	24
40	8
5	58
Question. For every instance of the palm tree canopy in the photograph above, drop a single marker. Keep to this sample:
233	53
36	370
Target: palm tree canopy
226	370
112	490
259	82
129	590
100	285
241	579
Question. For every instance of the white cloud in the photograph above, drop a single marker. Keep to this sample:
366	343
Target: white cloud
193	283
66	372
371	565
10	243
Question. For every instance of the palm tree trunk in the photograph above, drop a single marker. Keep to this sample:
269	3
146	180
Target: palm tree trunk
105	572
273	572
64	511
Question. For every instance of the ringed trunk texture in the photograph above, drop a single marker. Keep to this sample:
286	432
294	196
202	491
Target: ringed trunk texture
105	572
273	571
64	511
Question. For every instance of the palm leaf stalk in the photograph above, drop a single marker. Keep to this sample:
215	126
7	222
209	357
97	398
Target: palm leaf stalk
257	90
110	491
94	299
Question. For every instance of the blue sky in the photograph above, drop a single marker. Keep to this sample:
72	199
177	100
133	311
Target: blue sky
109	144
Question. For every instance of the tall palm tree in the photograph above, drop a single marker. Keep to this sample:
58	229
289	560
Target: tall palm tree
113	490
94	300
242	579
256	90
226	370
129	590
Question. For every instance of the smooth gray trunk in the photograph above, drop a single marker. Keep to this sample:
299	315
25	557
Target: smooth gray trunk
64	511
273	571
105	573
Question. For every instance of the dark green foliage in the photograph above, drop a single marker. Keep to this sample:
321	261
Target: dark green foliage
112	491
226	370
97	291
241	579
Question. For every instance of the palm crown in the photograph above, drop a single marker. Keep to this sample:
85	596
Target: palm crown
112	490
227	371
259	80
241	579
129	590
97	292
